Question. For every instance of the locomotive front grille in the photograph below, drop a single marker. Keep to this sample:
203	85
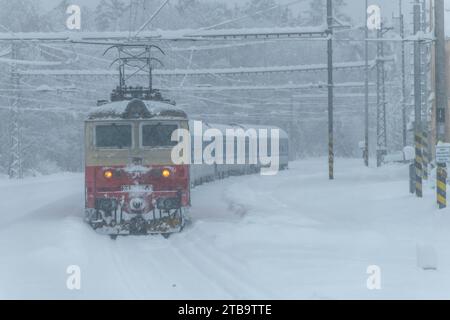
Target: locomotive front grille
167	204
106	204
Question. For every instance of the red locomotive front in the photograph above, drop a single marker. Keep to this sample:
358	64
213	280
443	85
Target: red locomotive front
132	185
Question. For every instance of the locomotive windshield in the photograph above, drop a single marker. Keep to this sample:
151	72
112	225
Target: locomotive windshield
113	136
158	135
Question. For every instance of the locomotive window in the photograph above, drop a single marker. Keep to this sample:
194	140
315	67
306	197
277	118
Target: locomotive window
113	136
158	135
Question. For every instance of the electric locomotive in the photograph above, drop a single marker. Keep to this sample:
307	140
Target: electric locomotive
132	186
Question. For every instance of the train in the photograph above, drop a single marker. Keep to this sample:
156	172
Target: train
132	185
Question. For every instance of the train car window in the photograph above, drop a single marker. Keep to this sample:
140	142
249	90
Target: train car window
158	135
113	136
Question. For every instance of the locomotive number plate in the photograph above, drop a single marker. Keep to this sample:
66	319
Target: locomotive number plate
137	188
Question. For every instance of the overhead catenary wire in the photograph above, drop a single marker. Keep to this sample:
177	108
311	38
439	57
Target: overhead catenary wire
153	16
251	14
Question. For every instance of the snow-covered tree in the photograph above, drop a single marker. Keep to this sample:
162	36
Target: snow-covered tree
316	15
20	16
109	14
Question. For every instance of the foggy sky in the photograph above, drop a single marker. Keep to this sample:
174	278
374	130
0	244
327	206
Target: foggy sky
355	8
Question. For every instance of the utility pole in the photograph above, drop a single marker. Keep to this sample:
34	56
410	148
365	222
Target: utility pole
441	97
418	102
330	21
15	167
293	152
366	87
425	63
150	69
440	66
404	105
381	99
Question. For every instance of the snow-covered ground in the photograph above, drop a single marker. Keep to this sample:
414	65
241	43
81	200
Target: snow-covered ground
295	235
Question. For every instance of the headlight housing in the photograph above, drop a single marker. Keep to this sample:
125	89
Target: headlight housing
108	174
166	173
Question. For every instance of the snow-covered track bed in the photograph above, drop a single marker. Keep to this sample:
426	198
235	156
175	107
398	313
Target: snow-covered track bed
294	235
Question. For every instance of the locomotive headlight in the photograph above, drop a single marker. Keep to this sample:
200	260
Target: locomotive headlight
108	174
166	173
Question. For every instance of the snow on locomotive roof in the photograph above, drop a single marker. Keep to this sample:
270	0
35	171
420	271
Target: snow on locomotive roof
137	109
